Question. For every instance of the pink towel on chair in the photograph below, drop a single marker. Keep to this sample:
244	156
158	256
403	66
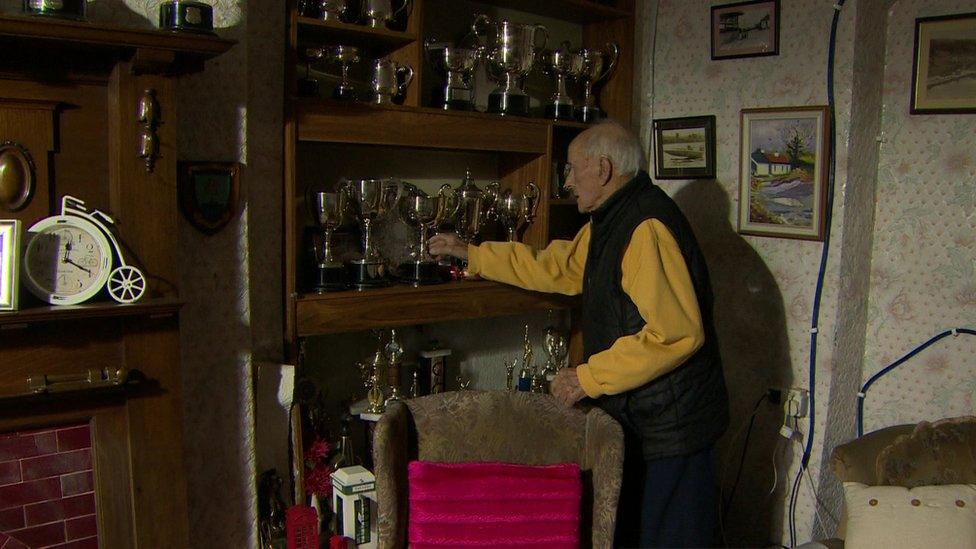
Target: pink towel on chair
494	505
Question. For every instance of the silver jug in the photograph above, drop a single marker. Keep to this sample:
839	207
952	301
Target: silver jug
390	79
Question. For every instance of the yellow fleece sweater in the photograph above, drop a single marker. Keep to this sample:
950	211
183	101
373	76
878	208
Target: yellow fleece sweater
655	278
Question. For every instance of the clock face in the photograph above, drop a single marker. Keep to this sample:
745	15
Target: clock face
67	260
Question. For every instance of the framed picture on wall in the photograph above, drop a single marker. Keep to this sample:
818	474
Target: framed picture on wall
783	172
684	148
9	263
745	29
944	72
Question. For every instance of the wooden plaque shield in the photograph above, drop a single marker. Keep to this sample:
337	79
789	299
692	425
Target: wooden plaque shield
209	193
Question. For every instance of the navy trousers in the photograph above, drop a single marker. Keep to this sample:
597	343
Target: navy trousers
668	502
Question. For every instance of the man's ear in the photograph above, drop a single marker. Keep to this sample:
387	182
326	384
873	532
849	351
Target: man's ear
606	170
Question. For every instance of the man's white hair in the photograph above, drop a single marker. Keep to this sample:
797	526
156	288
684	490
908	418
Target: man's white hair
612	139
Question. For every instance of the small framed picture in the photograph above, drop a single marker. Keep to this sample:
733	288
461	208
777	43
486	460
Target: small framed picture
783	172
9	263
684	148
745	29
944	73
208	193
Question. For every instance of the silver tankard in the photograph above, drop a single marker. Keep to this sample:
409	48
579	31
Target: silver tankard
511	53
598	64
389	79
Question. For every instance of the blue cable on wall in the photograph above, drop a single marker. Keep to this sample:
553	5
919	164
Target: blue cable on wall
867	385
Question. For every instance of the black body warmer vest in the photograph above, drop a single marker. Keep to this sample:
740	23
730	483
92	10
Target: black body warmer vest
685	410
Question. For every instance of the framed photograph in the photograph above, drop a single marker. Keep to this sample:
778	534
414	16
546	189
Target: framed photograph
944	72
745	29
208	193
684	148
9	263
783	172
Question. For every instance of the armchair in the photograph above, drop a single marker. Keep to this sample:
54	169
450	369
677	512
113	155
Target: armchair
522	428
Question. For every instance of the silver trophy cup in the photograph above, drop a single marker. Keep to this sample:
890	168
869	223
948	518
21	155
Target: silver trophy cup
514	211
458	64
562	63
370	198
328	209
510	55
424	213
346	57
390	79
598	64
380	13
333	10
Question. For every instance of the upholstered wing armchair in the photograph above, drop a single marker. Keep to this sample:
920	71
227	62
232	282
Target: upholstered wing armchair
522	428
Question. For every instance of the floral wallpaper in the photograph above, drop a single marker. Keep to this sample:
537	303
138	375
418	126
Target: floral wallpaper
900	266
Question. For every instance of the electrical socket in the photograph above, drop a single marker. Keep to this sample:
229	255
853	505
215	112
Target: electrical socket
797	403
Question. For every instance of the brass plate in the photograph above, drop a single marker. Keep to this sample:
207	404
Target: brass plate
16	176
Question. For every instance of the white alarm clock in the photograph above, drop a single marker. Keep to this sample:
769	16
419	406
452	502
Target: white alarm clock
68	258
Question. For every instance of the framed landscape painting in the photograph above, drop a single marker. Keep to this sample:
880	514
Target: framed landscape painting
944	72
745	29
684	148
783	172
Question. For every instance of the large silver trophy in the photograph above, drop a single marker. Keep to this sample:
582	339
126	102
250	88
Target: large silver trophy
370	198
514	211
474	205
328	210
390	79
510	55
346	57
424	212
563	63
457	62
598	64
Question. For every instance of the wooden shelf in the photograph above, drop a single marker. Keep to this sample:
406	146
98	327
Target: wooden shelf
576	11
407	306
361	123
112	36
102	309
335	32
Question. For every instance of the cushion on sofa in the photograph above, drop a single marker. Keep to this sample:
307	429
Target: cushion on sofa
478	504
894	517
941	452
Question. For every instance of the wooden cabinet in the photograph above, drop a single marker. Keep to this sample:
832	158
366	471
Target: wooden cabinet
322	136
89	78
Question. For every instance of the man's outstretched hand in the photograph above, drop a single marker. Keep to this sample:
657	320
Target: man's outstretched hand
444	244
566	387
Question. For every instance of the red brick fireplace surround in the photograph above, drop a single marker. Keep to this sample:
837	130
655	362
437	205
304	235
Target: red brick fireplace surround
47	496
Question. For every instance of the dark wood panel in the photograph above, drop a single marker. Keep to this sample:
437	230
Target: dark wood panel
615	96
406	306
418	127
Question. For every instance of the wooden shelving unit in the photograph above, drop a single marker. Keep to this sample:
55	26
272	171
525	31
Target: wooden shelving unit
158	307
525	149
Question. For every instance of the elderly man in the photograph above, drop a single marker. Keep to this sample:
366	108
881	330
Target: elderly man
650	356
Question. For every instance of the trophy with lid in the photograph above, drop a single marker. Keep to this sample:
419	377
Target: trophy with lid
514	211
424	212
562	63
474	204
371	198
597	65
510	54
457	62
328	209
